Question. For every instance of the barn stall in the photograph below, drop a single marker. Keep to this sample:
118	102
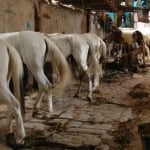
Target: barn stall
119	112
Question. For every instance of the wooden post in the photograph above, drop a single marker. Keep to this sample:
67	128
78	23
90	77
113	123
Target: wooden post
87	20
118	16
143	51
37	15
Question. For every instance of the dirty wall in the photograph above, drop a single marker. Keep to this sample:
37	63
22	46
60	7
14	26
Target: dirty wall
57	19
16	15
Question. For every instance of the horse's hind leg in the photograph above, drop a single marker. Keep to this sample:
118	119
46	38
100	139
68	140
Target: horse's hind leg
79	87
14	107
90	88
90	85
50	103
44	88
37	104
9	121
96	82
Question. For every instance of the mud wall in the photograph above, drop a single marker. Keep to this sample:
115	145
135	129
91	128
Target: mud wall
58	19
16	15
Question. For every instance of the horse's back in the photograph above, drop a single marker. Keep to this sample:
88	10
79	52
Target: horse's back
10	37
74	45
3	50
80	48
62	41
7	35
31	46
96	43
92	39
31	37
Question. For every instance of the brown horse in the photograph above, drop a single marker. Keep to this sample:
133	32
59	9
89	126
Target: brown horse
115	36
138	43
117	40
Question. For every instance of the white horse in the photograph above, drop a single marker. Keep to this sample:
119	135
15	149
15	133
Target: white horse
11	67
33	48
98	46
86	63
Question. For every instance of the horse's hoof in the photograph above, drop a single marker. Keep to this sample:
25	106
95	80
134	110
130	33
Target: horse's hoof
20	142
96	91
10	138
76	96
35	113
89	99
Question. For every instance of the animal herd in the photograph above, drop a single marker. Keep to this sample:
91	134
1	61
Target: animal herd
34	49
85	51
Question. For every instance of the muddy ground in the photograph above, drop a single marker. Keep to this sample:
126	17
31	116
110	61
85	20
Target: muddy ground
109	122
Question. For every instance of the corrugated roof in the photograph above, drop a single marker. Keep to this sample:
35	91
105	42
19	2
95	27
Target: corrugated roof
92	4
109	5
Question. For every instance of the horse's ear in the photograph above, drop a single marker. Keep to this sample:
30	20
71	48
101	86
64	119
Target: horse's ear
114	28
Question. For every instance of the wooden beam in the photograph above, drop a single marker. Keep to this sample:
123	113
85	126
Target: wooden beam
88	4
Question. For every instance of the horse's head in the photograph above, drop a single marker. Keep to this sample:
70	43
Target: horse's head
115	36
137	37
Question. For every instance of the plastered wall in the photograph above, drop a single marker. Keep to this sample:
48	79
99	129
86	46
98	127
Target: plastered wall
57	19
16	15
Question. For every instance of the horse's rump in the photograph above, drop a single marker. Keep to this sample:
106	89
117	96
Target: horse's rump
11	67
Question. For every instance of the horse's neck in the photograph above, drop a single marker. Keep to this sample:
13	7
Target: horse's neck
108	37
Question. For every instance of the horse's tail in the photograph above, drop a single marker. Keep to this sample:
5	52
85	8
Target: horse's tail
58	59
103	51
17	74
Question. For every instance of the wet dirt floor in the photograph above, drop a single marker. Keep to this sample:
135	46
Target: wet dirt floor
109	122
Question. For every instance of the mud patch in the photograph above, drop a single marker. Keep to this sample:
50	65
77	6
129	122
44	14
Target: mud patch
56	126
127	136
123	136
40	142
140	91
